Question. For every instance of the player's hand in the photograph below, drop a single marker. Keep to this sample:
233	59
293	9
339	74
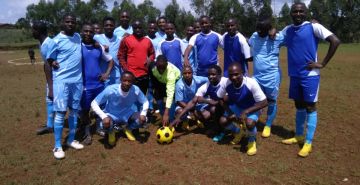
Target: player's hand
165	117
213	102
51	94
106	122
175	122
142	119
147	62
272	33
314	65
55	65
243	117
106	48
103	77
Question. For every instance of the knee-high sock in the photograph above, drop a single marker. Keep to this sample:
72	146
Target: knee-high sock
311	126
252	134
233	128
73	117
50	115
58	127
271	114
300	121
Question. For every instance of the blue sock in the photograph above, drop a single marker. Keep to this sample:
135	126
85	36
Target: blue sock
233	128
50	115
58	127
311	126
271	114
300	121
252	134
72	120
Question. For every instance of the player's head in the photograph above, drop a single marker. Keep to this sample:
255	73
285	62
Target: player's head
69	24
235	74
127	80
190	31
138	30
109	26
298	13
214	74
205	23
263	26
231	26
161	63
161	22
87	34
197	27
97	28
169	30
124	18
152	28
39	28
187	74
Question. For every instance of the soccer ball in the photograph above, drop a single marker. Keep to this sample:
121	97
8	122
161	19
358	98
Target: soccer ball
164	135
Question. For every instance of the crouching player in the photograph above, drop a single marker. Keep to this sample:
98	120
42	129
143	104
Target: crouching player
242	98
118	100
185	89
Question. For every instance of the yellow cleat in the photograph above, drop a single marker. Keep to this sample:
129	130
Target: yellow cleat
266	132
200	124
111	138
306	149
129	135
238	137
251	148
185	125
293	140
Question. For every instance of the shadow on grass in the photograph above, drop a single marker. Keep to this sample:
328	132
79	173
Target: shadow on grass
276	130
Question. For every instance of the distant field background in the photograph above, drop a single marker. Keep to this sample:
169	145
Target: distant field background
192	158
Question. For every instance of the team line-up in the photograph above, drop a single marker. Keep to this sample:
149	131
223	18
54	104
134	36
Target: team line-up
123	75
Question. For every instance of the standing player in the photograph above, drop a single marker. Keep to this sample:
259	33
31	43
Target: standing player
242	100
97	28
301	39
190	31
197	27
125	28
266	66
31	55
67	83
93	78
172	48
39	32
236	48
118	100
207	43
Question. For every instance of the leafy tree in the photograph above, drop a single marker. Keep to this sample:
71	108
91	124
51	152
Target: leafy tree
284	18
201	7
266	10
147	11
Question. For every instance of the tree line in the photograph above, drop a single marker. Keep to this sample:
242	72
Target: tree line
341	16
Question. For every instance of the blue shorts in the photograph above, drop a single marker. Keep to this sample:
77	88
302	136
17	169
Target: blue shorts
67	95
88	96
304	89
237	111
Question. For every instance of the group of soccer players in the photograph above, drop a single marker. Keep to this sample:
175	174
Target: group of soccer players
122	74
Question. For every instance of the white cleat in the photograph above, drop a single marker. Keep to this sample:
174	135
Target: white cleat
76	145
59	153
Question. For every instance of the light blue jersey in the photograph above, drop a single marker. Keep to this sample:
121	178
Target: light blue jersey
120	31
45	48
67	52
192	56
184	92
155	41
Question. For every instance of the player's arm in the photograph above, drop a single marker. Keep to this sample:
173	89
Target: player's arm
185	110
334	43
107	57
207	101
122	55
49	81
105	118
224	104
186	55
170	90
145	106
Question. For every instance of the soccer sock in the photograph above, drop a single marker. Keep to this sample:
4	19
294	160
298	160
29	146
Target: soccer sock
311	126
72	120
252	134
50	115
300	121
233	128
58	127
271	114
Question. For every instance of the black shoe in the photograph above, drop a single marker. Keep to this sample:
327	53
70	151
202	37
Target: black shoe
87	140
44	130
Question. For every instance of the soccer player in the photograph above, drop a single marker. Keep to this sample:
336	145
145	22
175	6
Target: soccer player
265	51
125	28
236	48
172	48
67	82
161	22
93	78
190	31
97	28
135	54
185	90
39	32
111	43
197	27
207	43
31	55
242	100
164	79
118	109
301	39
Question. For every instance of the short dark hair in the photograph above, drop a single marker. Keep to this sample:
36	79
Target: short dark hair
298	3
127	73
161	58
108	18
40	26
162	17
68	14
264	22
217	68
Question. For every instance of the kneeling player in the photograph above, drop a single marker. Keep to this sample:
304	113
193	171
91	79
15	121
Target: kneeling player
242	100
118	100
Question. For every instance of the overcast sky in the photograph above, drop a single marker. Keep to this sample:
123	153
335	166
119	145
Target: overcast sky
12	10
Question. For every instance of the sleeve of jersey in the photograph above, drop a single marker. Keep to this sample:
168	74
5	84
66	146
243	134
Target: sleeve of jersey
182	46
179	95
145	103
193	39
170	89
158	50
105	56
100	99
320	31
202	90
245	48
221	40
52	50
222	89
151	51
258	94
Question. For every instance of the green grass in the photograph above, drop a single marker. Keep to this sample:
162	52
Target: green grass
10	36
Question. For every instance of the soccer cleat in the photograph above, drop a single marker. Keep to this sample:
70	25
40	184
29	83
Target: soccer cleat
129	135
59	153
75	145
111	138
185	125
44	130
200	124
266	132
238	137
306	149
251	148
219	137
293	140
87	140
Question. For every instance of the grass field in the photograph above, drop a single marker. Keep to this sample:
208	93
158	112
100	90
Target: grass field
192	158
